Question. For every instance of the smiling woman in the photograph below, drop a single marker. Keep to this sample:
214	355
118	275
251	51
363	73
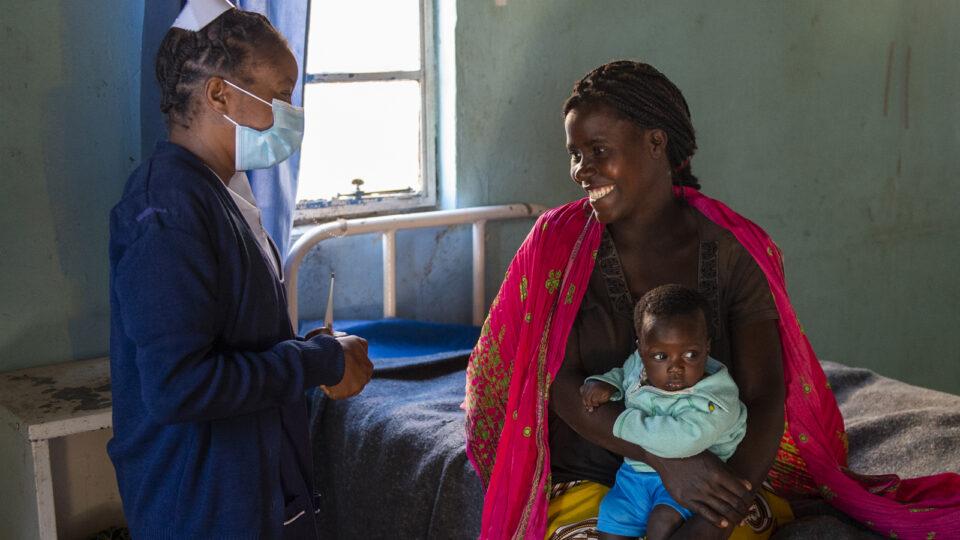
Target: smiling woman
564	312
605	163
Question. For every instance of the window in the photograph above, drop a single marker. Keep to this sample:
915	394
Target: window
370	113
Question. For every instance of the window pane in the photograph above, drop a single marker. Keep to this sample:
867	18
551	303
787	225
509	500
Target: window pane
367	130
358	36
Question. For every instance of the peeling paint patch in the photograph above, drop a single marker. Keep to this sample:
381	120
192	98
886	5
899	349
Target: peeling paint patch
35	381
87	398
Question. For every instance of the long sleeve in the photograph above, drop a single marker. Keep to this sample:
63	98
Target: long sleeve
614	378
696	428
621	377
167	286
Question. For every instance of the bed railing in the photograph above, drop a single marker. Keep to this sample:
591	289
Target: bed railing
388	226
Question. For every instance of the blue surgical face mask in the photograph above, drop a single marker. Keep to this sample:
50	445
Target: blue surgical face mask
262	149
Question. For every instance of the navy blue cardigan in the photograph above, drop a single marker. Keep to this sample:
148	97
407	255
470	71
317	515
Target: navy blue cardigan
209	416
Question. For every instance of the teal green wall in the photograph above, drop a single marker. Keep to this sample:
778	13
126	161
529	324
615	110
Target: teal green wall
70	135
856	175
800	128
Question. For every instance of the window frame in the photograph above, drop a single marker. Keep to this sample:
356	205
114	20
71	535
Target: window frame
325	210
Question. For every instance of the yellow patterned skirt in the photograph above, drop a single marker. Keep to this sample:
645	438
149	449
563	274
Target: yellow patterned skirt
574	506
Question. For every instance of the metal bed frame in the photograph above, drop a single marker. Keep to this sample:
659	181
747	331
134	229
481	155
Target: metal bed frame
387	227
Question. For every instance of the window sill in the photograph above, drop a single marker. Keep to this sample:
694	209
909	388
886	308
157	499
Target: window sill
351	208
306	218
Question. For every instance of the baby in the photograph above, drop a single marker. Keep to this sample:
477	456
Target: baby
679	402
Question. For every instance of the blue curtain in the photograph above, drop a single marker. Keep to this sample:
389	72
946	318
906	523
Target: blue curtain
275	188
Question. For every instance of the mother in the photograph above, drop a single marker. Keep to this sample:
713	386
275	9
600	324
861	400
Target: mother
560	317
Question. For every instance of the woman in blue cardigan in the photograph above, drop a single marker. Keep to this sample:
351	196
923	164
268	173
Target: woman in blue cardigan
210	422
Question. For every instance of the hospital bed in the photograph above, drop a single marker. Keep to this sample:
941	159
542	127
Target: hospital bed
390	462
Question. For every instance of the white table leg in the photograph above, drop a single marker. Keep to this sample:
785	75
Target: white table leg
46	511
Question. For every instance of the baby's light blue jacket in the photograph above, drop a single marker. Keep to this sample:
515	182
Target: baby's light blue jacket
707	416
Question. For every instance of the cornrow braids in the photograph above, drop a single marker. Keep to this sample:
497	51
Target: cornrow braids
648	98
668	301
186	59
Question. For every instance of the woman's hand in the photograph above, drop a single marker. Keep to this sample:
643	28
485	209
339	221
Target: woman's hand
702	483
357	369
759	376
324	330
595	393
706	486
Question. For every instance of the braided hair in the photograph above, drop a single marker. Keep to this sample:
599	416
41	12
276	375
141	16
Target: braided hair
648	98
186	59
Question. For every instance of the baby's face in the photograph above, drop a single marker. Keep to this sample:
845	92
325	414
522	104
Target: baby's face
674	350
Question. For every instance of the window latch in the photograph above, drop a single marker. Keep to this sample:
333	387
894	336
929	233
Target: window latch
358	193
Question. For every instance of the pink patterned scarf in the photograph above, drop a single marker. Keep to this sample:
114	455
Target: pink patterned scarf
522	346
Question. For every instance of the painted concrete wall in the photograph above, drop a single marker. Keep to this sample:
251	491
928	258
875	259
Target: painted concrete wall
69	103
833	125
433	276
69	136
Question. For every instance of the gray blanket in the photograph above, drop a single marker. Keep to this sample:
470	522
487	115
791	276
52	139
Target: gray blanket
392	464
391	461
893	427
